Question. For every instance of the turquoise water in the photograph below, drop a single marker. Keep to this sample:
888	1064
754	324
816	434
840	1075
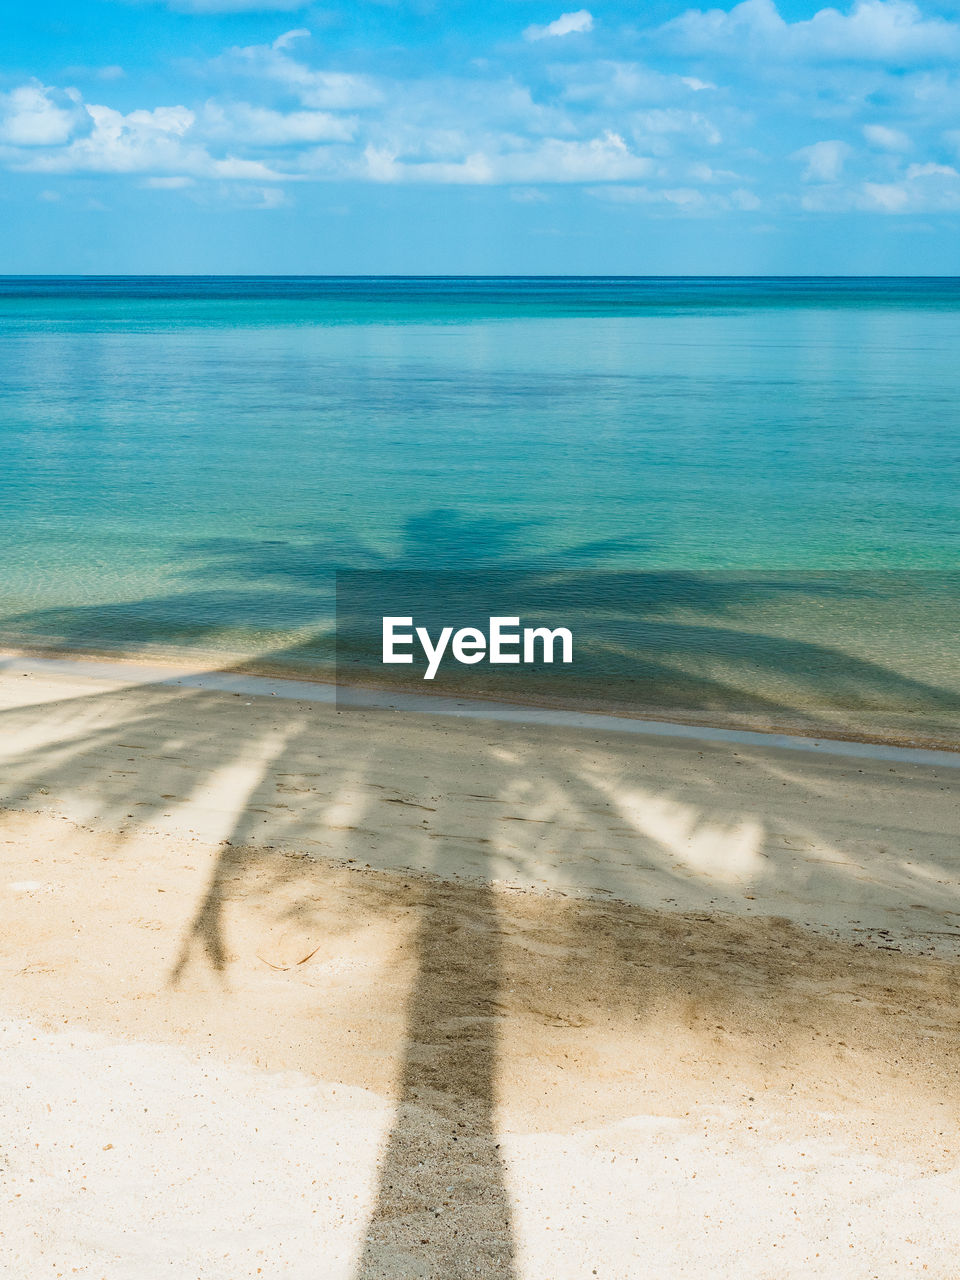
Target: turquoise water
746	492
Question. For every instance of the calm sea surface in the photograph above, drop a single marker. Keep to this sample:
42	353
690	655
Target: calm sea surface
744	494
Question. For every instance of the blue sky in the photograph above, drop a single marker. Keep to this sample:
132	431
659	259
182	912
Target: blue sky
447	137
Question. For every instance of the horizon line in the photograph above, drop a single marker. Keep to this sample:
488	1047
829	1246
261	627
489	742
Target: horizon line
270	275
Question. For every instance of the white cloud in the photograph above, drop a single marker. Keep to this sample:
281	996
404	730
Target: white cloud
261	126
567	24
289	37
672	120
35	115
258	197
878	135
610	84
273	118
923	188
823	161
607	83
744	199
681	197
122	144
154	141
313	88
873	30
930	170
553	160
171	183
236	167
706	173
686	200
886	196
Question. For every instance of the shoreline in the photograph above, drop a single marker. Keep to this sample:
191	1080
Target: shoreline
855	838
302	688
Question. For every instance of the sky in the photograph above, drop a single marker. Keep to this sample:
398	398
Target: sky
456	137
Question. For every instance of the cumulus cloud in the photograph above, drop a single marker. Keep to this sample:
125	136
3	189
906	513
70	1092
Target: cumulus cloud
313	87
923	188
642	131
567	24
262	126
121	143
878	135
873	30
886	196
494	135
35	115
607	158
619	84
823	161
931	170
142	141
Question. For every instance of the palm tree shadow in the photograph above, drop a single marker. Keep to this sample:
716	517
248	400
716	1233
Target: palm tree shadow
205	931
442	1208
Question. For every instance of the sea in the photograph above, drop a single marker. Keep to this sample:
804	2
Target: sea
741	495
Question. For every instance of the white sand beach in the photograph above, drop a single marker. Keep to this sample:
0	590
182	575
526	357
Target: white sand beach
303	990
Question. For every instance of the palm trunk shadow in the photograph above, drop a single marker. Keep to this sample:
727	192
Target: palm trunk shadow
442	1210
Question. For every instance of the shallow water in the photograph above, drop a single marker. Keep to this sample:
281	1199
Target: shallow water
744	495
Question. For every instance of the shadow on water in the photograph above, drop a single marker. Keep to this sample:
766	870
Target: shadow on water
442	1209
849	653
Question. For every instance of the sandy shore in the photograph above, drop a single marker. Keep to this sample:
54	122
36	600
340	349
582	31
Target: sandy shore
306	991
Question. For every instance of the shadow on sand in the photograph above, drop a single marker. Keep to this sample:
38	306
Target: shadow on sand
442	1209
442	1198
